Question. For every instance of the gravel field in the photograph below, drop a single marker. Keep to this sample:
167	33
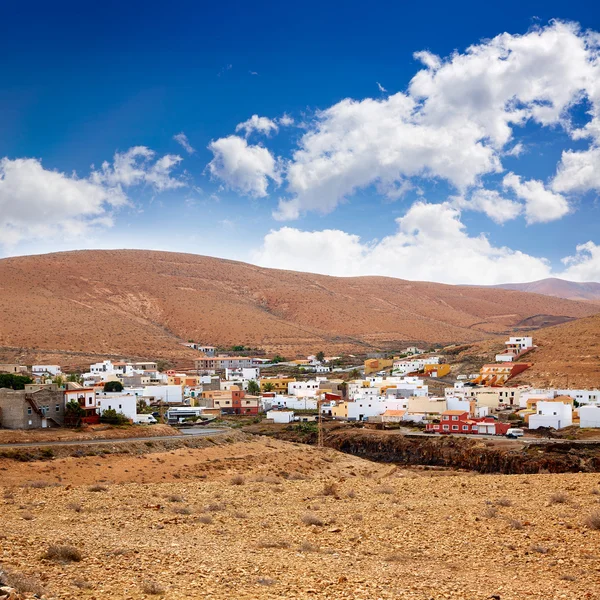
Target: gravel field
270	519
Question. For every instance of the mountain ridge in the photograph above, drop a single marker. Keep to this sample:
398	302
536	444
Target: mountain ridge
559	288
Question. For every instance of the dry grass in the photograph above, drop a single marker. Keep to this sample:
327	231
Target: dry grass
559	498
82	584
174	498
592	521
240	515
24	584
152	588
273	544
503	502
39	484
330	489
490	512
568	578
539	549
265	581
182	510
515	523
97	487
311	519
76	506
27	516
237	480
385	489
394	557
306	546
206	519
63	553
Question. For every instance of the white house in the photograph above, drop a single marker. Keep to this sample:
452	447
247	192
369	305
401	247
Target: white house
83	396
49	369
122	403
242	374
514	348
164	393
582	396
552	414
292	402
281	416
302	389
589	416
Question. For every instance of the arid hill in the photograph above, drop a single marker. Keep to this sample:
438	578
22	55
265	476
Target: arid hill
559	288
74	306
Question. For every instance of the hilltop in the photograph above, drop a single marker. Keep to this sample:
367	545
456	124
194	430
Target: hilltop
75	306
560	288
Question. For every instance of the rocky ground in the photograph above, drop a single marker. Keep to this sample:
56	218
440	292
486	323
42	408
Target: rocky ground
272	519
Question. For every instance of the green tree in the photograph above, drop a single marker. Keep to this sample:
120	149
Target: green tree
253	388
74	409
267	387
113	386
354	374
14	382
75	378
111	416
278	359
320	356
59	380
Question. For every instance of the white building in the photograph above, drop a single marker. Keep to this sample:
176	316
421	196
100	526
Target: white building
281	416
302	389
53	370
589	416
582	396
552	414
242	374
292	402
122	403
164	393
514	348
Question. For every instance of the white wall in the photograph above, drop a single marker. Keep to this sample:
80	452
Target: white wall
293	402
589	416
126	404
164	393
552	414
281	416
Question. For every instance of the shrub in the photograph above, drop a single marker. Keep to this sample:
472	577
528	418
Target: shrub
306	546
97	487
113	386
273	544
174	498
153	588
182	510
310	519
206	519
27	516
592	521
24	584
39	484
112	417
237	480
82	584
386	489
490	512
330	489
539	549
265	581
63	554
559	498
75	506
504	502
515	524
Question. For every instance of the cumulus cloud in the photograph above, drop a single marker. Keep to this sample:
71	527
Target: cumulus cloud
243	167
578	171
455	122
39	203
137	166
584	265
285	120
541	205
431	243
183	141
262	125
492	203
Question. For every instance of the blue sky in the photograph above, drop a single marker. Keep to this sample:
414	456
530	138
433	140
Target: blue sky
459	175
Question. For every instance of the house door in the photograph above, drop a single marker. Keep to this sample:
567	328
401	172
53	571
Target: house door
44	422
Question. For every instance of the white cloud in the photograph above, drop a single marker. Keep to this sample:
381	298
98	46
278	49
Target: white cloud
431	243
584	265
242	167
578	171
262	125
380	87
541	205
38	203
490	202
183	141
285	120
136	166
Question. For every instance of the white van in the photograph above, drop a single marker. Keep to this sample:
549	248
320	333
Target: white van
145	419
514	432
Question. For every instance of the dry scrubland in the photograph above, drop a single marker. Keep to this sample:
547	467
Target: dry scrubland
135	303
270	519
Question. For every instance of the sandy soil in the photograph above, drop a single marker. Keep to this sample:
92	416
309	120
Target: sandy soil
16	436
298	522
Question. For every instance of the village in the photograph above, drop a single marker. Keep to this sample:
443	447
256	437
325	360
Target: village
390	392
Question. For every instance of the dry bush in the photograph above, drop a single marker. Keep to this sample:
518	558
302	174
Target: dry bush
385	489
206	519
174	498
310	519
182	510
568	578
273	544
539	549
214	507
515	524
237	480
330	489
394	557
559	498
265	581
306	546
27	516
152	587
75	506
357	517
592	521
351	494
119	552
240	515
82	584
595	491
63	553
504	502
24	584
490	512
38	484
97	487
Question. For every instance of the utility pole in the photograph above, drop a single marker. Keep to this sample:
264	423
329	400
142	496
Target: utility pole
319	424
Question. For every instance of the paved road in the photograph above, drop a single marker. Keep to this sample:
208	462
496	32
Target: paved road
185	433
526	440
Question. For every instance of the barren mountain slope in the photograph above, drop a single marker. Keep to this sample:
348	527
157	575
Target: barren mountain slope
143	303
560	288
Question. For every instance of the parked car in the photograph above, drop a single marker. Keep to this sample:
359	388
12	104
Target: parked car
145	419
514	432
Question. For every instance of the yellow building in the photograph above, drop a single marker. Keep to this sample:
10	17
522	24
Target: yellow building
280	384
372	365
340	411
439	370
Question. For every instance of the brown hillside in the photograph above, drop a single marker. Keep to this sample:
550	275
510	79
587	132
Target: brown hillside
143	303
560	288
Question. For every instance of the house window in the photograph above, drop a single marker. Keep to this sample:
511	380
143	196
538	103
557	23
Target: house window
29	410
436	426
454	418
57	408
446	418
465	428
446	427
454	427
